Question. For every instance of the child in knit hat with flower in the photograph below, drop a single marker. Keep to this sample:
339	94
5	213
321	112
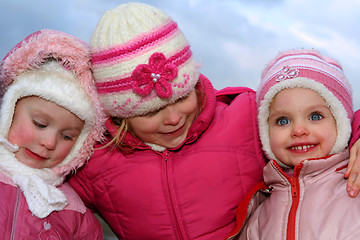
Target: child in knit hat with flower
305	112
50	117
177	150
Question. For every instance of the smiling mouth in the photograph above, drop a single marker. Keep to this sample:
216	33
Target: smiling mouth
176	131
34	155
304	147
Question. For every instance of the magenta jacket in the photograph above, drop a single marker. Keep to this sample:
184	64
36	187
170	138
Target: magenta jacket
17	222
190	192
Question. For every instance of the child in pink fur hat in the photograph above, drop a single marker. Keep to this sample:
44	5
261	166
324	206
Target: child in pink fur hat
50	118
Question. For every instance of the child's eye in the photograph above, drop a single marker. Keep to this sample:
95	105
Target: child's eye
66	137
282	121
182	99
316	116
39	124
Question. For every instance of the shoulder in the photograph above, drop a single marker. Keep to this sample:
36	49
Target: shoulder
74	201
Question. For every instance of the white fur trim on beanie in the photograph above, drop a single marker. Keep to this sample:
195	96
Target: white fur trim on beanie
306	69
141	60
343	123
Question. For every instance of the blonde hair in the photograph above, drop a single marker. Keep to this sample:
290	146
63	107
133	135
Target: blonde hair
123	123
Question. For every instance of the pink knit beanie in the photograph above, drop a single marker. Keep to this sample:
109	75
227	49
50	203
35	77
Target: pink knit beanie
141	60
307	69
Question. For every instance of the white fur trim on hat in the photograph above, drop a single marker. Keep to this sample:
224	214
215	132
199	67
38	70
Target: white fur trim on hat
51	82
343	123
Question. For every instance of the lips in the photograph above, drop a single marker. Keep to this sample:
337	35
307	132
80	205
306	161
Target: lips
177	131
34	155
301	148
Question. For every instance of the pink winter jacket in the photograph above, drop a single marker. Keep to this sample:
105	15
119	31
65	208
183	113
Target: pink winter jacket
17	222
190	192
311	204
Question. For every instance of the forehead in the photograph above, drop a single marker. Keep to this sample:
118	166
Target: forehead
38	105
297	93
287	98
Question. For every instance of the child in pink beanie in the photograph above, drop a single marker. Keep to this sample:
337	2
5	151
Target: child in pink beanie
177	150
50	118
305	112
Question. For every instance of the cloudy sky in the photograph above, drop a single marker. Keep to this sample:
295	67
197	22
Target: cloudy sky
232	39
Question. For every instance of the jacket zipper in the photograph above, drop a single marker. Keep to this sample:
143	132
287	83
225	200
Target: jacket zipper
178	230
295	194
15	215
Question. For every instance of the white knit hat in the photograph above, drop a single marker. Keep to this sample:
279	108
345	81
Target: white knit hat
141	60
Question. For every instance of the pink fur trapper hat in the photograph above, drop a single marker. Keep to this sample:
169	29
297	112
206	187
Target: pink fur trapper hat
141	60
54	66
307	69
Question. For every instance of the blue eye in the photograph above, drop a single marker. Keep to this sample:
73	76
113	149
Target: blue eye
283	121
316	117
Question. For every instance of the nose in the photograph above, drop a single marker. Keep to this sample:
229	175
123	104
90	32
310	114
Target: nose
299	130
48	140
172	115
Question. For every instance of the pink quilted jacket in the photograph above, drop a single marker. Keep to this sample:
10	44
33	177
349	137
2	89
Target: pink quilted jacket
311	204
17	222
190	192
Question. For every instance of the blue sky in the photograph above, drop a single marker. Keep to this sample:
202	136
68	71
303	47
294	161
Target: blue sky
232	40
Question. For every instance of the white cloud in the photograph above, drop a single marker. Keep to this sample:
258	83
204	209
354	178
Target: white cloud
233	39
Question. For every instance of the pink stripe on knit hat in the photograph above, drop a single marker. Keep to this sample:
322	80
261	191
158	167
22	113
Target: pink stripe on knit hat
138	51
142	42
126	83
307	61
333	83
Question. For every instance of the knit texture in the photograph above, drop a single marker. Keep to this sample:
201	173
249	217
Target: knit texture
141	60
54	66
307	69
37	185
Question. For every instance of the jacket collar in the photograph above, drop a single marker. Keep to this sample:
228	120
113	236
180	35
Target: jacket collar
273	173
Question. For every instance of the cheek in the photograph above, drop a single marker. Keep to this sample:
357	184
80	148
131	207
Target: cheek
277	139
192	107
62	152
144	126
21	134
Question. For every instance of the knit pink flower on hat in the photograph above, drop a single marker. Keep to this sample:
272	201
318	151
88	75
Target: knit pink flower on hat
154	76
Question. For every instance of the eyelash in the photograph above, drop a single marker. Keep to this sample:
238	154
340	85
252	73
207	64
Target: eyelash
42	126
39	125
66	137
316	113
281	118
